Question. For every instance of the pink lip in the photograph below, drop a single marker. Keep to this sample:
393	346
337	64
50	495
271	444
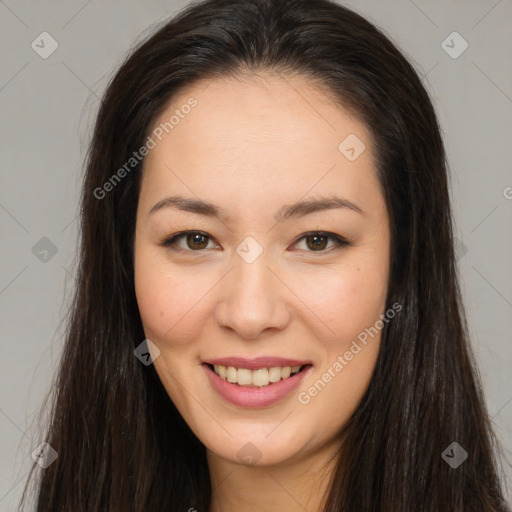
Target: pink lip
245	396
257	362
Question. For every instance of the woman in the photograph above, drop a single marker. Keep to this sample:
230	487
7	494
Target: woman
267	314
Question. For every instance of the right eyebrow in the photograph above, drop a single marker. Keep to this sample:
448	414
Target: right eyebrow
189	205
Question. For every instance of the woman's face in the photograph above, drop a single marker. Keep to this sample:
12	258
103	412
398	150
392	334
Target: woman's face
256	169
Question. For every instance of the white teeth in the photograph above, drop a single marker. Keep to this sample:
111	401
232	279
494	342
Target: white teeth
260	377
244	377
231	374
274	374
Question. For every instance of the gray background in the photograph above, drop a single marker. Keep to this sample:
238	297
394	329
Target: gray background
47	108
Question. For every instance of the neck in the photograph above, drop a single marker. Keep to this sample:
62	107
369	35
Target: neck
299	486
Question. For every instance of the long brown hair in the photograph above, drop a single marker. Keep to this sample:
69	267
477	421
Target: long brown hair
122	445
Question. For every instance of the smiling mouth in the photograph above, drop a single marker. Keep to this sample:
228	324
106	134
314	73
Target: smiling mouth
259	378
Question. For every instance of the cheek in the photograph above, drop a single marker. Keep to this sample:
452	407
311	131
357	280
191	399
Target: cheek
354	300
171	301
348	301
352	303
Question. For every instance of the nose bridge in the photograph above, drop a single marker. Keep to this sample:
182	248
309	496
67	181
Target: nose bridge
252	299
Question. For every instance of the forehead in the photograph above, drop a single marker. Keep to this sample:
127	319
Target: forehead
270	133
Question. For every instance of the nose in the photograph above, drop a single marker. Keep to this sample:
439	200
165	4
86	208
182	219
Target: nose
253	300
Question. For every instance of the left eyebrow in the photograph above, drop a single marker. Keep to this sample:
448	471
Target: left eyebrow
308	206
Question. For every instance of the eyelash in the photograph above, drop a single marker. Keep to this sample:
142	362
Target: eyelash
339	241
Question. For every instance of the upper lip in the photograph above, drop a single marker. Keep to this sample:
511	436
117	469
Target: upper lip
257	362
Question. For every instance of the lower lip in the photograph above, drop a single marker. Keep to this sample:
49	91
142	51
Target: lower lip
245	396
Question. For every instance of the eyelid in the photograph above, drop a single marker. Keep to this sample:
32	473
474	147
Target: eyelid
338	240
171	242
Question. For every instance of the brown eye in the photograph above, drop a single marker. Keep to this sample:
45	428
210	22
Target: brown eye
316	242
197	241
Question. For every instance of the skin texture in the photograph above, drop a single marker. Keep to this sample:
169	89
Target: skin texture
252	146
